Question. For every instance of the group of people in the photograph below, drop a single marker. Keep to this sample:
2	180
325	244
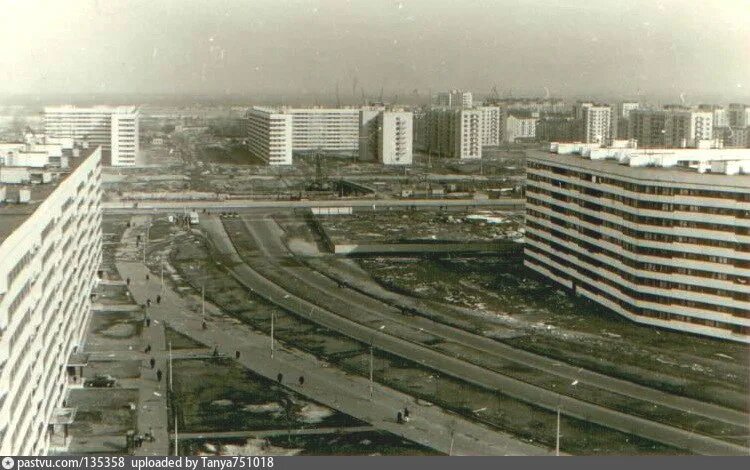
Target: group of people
403	417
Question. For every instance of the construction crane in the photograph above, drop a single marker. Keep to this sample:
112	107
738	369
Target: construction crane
338	97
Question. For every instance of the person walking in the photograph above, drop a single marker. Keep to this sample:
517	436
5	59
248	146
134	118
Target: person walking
158	375
127	281
237	354
279	377
301	381
152	362
158	299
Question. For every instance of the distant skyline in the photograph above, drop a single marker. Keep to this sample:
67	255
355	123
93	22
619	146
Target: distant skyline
277	50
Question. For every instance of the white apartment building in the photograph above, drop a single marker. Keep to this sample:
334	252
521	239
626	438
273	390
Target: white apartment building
519	128
661	237
270	135
333	130
50	251
454	99
596	123
452	133
492	124
115	129
386	136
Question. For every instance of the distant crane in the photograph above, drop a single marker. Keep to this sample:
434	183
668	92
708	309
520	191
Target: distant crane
338	97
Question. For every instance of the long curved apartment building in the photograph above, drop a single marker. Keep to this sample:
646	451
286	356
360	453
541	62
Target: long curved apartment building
50	251
661	237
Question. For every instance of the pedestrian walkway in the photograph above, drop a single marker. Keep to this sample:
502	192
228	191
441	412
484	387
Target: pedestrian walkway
430	425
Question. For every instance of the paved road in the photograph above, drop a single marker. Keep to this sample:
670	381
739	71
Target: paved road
336	273
430	425
172	206
459	368
318	284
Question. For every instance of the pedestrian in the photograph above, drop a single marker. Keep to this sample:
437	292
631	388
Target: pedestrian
216	351
279	377
127	281
203	324
237	354
148	302
158	299
158	375
148	322
301	381
147	277
148	349
152	362
406	412
399	418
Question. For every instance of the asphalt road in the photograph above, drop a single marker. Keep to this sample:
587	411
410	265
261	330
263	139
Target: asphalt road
466	371
127	207
430	425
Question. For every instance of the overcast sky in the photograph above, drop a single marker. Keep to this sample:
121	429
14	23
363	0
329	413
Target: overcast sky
571	47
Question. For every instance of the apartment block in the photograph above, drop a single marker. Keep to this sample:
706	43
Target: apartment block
659	236
270	135
386	136
670	128
50	252
115	129
333	130
454	99
519	127
596	121
492	125
452	133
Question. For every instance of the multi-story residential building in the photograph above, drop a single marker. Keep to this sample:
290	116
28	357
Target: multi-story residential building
333	130
452	133
620	119
386	136
595	125
558	128
661	237
454	99
50	252
492	125
720	116
114	129
670	128
270	135
732	137
531	105
738	115
520	126
124	141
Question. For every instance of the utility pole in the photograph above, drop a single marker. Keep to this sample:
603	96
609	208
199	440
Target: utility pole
145	242
371	370
171	389
453	438
272	315
176	442
203	300
162	276
557	440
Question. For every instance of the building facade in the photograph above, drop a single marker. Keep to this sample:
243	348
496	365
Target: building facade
334	130
114	129
454	99
519	127
596	124
386	136
670	128
452	133
621	118
270	135
492	124
50	251
659	237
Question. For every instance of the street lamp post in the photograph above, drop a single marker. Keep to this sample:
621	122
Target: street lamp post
272	315
559	407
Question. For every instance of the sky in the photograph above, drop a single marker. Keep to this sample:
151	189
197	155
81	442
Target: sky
613	48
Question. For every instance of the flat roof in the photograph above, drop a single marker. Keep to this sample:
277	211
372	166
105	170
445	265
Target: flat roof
13	215
673	174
